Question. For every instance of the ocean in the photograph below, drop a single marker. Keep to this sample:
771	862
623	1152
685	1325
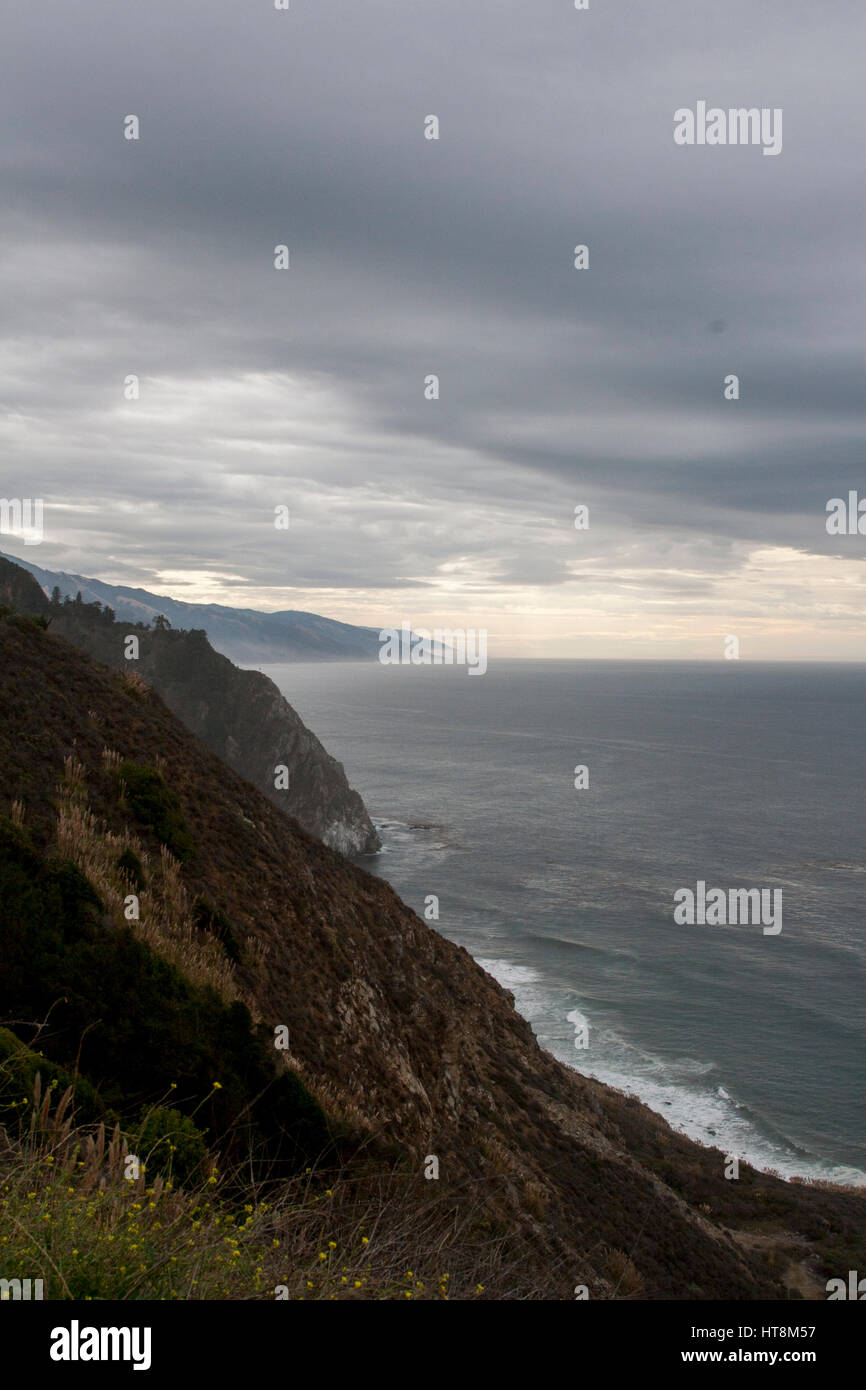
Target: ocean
729	773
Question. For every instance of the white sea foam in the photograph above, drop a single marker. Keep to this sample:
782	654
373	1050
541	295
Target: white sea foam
549	915
674	1089
509	975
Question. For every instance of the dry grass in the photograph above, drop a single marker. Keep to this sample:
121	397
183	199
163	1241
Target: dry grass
165	921
134	683
70	1217
336	1102
822	1185
627	1278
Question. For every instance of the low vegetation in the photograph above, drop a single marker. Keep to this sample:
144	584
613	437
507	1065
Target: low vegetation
180	1229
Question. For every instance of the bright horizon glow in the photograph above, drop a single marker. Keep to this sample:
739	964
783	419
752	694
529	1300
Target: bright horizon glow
821	619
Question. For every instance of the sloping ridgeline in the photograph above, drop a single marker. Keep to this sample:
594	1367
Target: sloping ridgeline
242	634
241	715
250	925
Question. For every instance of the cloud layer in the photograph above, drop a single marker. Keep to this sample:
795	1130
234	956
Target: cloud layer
411	257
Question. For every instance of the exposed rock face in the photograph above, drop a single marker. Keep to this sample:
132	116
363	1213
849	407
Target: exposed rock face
241	715
401	1025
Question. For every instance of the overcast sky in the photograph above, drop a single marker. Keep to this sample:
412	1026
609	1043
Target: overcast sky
558	387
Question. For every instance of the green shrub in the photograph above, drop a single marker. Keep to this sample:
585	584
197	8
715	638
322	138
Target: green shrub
129	863
123	1016
171	1143
155	805
19	1065
215	923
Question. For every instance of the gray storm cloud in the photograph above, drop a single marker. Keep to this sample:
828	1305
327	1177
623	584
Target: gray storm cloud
411	257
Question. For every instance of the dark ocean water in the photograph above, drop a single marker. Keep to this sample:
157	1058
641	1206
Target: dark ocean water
740	775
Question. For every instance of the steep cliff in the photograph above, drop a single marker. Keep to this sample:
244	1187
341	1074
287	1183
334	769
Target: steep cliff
396	1027
241	715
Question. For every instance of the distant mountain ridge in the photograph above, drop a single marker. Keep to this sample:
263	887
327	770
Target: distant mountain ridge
242	634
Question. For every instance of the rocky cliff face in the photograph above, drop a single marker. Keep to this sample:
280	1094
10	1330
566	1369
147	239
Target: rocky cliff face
240	715
244	719
403	1031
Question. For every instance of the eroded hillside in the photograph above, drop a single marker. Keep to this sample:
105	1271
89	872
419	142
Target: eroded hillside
395	1029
